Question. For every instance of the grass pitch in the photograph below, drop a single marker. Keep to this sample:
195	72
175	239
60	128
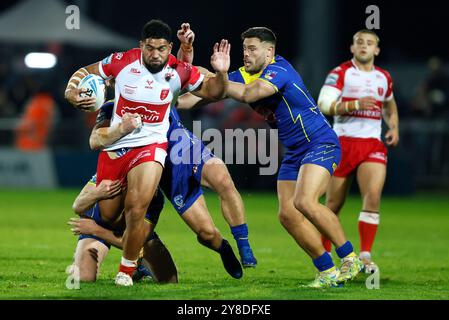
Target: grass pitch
411	249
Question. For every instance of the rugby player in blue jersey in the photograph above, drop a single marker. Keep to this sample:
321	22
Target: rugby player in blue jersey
99	230
210	171
273	88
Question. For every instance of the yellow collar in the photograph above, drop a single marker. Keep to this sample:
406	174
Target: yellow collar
248	78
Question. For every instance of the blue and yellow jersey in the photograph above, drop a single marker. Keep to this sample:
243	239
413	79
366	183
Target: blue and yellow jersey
292	109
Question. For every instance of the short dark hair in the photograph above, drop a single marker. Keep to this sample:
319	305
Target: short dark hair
367	31
261	33
156	29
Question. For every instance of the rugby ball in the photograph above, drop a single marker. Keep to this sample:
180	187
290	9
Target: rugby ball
96	87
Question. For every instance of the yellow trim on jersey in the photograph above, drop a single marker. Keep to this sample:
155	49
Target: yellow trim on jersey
304	94
248	78
91	182
296	120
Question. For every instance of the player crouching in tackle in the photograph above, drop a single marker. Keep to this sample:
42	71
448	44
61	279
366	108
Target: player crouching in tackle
180	182
147	79
99	230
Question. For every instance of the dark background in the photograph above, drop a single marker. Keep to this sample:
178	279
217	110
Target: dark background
313	35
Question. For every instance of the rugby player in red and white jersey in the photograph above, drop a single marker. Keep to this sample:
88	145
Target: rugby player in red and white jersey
358	94
147	80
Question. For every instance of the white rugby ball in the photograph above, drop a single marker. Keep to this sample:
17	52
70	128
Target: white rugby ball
96	88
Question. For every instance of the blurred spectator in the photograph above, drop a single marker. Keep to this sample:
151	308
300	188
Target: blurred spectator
7	108
243	117
432	97
35	125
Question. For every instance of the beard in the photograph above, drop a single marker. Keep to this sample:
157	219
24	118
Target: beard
364	60
155	68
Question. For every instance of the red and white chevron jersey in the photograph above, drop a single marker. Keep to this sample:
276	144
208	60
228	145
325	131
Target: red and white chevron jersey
139	91
355	84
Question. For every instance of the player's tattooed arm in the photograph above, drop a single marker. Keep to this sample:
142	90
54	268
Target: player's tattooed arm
91	194
73	95
103	135
186	37
391	117
90	227
251	92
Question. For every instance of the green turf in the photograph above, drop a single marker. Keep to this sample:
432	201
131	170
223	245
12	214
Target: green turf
411	249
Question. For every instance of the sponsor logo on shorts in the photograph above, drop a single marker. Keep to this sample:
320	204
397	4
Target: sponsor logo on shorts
378	155
142	154
179	201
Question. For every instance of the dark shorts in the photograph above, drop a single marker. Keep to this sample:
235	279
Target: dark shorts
181	179
324	151
152	215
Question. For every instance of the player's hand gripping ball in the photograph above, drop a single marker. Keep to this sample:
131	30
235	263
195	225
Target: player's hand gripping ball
95	87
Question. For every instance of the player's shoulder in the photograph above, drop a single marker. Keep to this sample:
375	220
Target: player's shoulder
280	64
343	67
128	56
383	72
174	63
236	75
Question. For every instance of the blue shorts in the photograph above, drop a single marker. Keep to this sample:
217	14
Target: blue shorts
324	151
152	216
181	183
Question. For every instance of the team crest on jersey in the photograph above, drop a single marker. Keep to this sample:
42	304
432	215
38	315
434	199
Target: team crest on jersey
270	75
380	90
164	93
332	79
119	55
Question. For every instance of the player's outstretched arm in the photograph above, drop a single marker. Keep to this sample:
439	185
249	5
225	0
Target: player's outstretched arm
90	227
103	135
186	37
188	100
391	117
251	92
91	194
215	87
73	94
